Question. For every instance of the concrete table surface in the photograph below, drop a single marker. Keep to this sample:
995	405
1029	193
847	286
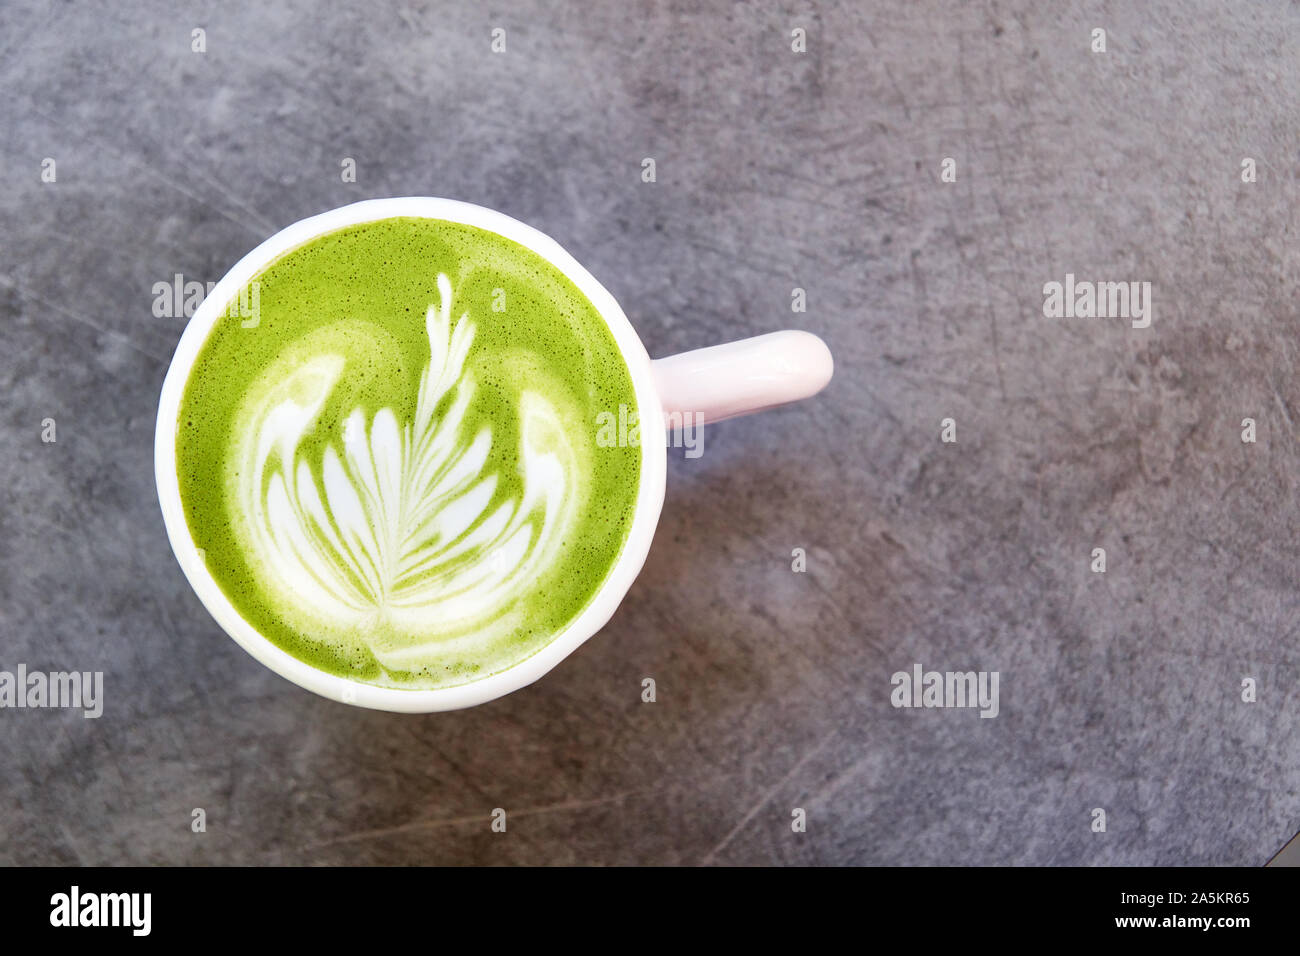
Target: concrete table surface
1120	691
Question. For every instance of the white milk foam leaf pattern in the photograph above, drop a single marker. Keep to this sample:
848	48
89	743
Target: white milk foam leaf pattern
411	536
396	529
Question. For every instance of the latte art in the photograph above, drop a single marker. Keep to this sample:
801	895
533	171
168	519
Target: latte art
395	534
394	475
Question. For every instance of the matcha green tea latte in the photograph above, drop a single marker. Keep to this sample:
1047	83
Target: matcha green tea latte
393	471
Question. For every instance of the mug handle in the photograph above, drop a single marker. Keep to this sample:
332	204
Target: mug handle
740	378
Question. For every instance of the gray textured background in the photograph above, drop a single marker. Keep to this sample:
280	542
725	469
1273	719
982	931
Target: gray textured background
775	170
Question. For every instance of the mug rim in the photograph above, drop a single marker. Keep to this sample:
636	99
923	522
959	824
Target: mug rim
608	596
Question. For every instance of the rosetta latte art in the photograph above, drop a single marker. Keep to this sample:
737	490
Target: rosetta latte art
396	475
398	532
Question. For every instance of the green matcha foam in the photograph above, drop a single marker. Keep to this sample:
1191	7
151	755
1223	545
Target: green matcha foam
394	472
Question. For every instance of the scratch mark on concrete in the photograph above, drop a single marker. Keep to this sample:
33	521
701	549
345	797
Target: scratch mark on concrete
76	317
419	826
764	800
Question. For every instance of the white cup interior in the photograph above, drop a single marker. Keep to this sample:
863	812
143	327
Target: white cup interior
597	613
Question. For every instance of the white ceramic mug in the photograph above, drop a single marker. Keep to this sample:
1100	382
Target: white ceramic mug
711	384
